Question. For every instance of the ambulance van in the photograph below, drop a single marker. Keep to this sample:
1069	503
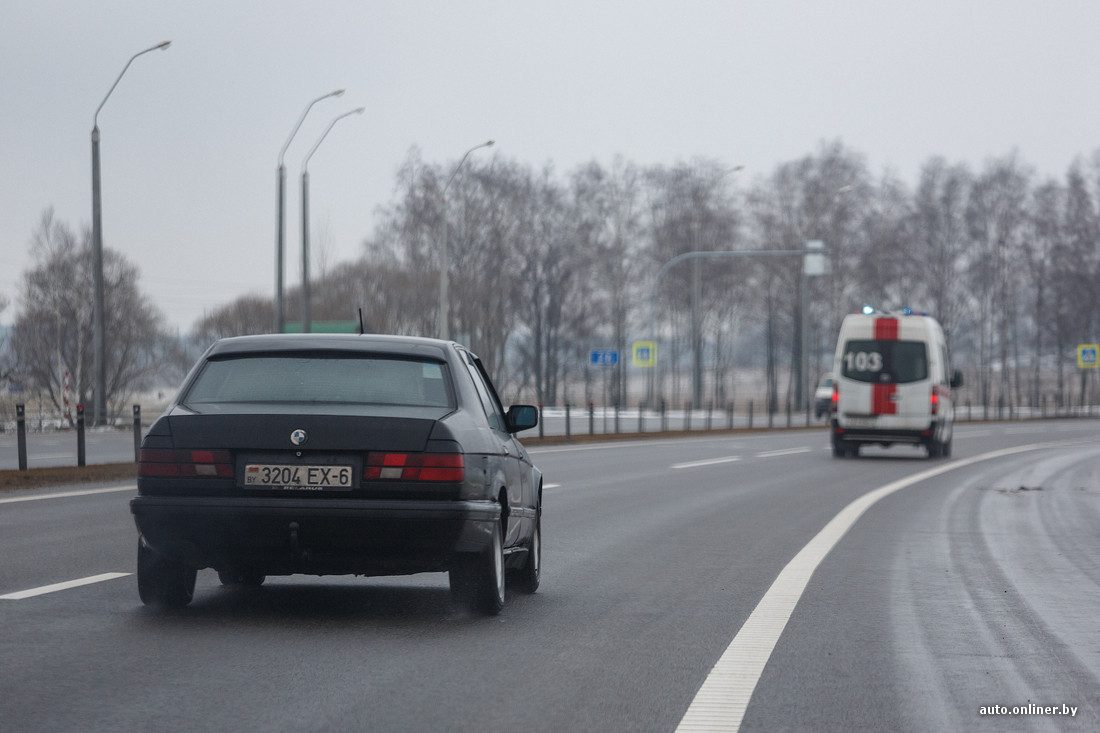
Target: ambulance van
892	384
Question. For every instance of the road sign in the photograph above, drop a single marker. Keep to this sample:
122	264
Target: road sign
1087	356
603	357
645	353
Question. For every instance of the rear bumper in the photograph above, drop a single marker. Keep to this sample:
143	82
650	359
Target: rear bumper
320	537
882	435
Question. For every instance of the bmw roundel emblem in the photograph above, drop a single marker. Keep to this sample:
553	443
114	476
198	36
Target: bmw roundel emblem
298	437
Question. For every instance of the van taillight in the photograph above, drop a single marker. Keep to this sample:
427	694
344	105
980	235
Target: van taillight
935	399
836	398
161	463
415	467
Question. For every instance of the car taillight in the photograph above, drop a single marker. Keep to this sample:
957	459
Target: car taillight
935	399
415	466
836	398
162	463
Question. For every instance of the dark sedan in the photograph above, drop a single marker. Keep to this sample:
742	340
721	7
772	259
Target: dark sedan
326	454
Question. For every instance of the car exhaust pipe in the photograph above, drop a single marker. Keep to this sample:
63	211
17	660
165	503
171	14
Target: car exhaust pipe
295	548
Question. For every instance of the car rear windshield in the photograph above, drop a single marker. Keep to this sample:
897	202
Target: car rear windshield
362	379
895	362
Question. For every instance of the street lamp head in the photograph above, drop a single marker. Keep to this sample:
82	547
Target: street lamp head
490	143
337	93
162	45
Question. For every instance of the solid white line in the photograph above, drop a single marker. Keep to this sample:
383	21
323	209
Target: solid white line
709	462
783	452
721	702
550	486
66	494
61	586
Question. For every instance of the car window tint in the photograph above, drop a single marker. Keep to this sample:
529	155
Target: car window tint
493	410
321	378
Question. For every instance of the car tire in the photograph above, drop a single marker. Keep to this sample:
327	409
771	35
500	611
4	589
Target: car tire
247	578
477	579
935	448
839	451
528	577
163	582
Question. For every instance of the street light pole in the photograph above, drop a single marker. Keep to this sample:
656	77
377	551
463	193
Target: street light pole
306	325
444	265
99	333
280	217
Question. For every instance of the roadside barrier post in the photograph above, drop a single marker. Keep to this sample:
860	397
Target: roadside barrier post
542	427
641	417
137	433
710	412
567	419
591	418
616	418
80	435
21	432
687	416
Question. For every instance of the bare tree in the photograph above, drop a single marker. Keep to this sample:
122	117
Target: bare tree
691	209
52	333
248	314
997	219
938	231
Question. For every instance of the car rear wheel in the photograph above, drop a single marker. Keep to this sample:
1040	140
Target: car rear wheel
839	450
163	582
477	579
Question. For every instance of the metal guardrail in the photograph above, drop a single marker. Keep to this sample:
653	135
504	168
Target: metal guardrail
592	420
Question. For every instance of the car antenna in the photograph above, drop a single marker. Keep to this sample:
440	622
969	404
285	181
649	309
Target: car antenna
361	329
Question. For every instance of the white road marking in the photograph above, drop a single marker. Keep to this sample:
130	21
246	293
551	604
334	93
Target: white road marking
66	494
783	452
31	593
550	486
709	462
721	702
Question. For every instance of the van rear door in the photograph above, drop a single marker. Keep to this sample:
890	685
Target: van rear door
896	377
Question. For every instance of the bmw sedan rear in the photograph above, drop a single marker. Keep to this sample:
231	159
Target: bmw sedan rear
334	454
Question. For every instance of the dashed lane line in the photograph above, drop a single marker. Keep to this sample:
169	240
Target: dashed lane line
783	452
43	590
66	494
707	462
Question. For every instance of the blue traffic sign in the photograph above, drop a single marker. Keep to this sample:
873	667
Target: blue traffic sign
603	357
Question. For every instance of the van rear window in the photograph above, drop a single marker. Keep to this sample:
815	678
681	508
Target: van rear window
894	362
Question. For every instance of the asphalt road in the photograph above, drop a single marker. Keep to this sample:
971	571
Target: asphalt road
963	584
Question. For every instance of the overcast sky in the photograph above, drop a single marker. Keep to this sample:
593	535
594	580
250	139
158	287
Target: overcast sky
190	137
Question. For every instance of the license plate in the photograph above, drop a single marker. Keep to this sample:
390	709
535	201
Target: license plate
861	421
283	476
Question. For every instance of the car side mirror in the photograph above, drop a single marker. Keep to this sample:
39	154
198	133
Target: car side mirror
956	379
522	417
